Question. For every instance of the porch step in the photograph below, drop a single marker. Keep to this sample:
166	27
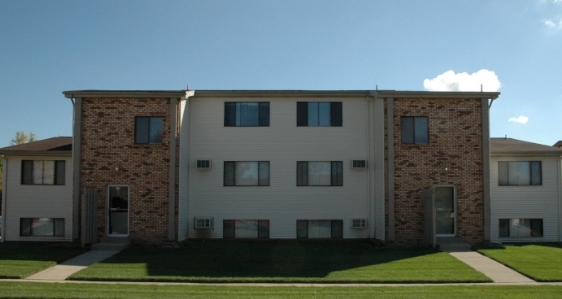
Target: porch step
453	244
112	243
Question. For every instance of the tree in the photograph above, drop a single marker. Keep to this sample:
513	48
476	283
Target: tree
22	138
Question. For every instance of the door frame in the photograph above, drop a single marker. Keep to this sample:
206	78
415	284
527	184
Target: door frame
108	211
455	209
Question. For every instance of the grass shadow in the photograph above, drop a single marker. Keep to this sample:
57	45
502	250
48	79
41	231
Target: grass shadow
280	261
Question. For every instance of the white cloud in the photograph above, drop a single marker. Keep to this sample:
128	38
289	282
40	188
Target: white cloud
449	81
520	120
554	23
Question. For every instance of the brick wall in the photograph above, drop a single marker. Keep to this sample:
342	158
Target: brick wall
108	138
455	139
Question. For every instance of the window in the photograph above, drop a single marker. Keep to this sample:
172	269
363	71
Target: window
319	173
414	130
148	129
519	173
42	227
319	114
319	229
249	114
42	172
520	228
246	173
245	229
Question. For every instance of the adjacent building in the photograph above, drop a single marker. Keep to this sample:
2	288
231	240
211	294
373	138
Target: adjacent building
526	191
37	191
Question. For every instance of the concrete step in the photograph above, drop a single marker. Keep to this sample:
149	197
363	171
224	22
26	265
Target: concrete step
112	243
453	244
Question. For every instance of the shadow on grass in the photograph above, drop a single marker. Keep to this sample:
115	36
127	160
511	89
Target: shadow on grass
21	259
38	251
276	261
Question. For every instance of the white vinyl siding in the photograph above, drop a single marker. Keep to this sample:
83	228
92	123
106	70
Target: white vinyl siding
282	144
528	201
36	201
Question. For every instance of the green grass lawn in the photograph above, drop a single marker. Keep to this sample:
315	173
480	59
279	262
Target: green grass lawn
19	260
71	290
539	262
283	262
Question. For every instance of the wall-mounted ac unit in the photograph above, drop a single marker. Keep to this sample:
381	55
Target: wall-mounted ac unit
203	222
204	164
358	223
360	164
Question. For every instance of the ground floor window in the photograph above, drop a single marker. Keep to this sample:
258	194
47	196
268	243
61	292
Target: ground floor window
42	227
520	228
319	229
245	229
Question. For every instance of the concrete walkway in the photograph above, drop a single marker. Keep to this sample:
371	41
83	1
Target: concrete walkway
64	270
494	270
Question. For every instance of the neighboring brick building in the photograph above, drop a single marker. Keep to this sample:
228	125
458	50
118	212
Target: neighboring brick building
165	165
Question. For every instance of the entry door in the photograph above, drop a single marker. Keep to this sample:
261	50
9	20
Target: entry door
118	210
445	211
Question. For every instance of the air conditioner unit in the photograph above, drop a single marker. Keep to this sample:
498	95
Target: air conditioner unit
358	223
203	222
204	164
361	164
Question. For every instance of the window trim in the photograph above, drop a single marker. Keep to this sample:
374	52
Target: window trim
59	172
233	179
148	137
30	221
334	223
538	224
231	109
231	225
303	177
506	172
336	114
415	139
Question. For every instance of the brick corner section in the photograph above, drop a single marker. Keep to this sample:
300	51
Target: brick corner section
455	139
108	138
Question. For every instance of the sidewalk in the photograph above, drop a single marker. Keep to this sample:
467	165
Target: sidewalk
62	271
494	270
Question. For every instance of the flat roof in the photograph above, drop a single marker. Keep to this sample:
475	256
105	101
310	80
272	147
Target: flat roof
278	93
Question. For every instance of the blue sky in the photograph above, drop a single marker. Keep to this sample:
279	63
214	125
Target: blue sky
51	46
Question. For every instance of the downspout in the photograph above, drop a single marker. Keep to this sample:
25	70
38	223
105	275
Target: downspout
173	169
486	170
370	160
559	199
4	198
77	226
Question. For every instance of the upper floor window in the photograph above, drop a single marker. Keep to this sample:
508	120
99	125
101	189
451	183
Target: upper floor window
319	173
149	129
246	173
415	130
40	172
319	114
519	173
246	114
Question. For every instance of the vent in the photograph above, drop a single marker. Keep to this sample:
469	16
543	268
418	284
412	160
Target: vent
204	164
361	164
358	223
203	222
